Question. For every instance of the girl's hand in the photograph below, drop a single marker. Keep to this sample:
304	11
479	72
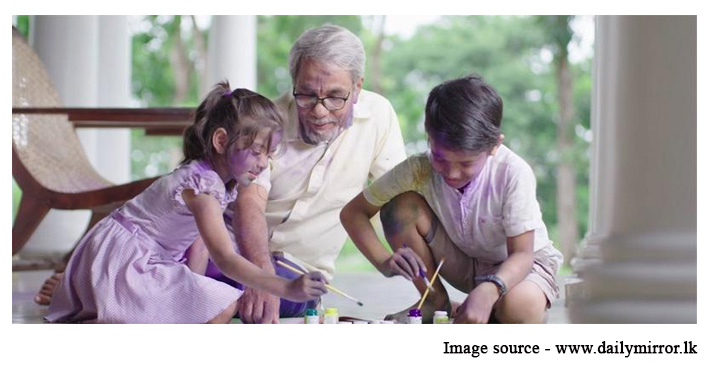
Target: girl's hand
306	287
404	262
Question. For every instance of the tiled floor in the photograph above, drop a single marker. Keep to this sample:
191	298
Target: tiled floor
379	295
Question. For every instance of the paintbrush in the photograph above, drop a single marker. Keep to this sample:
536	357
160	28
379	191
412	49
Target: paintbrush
425	279
329	287
435	274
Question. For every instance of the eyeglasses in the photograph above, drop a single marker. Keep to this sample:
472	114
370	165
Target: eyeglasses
329	102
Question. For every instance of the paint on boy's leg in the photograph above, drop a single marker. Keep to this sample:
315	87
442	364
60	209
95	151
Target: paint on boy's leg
401	213
393	222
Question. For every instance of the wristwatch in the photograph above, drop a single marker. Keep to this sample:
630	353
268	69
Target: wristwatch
501	286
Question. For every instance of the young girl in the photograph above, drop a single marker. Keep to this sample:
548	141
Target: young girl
129	267
470	200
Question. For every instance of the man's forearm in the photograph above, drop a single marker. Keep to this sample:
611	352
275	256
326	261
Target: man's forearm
251	232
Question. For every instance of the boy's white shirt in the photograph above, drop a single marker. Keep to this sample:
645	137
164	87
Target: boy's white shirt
501	202
309	184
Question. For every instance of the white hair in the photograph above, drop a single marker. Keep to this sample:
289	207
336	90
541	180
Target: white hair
329	44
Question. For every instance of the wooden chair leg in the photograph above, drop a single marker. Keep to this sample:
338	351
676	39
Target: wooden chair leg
30	213
96	216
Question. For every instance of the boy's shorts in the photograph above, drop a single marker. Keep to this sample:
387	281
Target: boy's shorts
460	269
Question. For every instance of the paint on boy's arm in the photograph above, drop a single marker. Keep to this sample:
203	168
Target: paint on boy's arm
421	172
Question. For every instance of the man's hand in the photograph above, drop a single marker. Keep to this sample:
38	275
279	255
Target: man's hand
258	307
477	307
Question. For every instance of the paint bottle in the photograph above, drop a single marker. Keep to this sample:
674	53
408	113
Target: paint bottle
415	316
331	316
311	316
440	317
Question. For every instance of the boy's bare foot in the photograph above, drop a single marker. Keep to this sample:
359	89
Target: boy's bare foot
44	297
427	310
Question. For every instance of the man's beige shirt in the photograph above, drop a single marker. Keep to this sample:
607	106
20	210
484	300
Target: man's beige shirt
309	184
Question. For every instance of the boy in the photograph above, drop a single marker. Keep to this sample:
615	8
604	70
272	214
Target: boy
470	200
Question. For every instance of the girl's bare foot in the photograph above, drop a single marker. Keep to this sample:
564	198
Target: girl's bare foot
44	297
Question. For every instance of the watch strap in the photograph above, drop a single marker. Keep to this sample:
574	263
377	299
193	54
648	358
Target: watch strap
501	286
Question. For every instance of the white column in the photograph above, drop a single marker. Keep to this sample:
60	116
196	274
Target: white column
114	83
643	225
232	51
68	47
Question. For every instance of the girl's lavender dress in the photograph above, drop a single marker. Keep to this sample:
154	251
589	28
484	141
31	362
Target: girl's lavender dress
129	268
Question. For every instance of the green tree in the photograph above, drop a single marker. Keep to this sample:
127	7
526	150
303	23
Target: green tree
165	55
559	36
168	68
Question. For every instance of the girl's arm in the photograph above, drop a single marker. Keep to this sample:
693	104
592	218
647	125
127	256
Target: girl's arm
198	257
355	217
210	223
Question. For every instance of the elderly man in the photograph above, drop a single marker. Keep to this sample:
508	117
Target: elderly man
337	137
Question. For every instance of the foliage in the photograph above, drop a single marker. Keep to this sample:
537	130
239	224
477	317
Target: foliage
16	196
153	78
23	24
153	83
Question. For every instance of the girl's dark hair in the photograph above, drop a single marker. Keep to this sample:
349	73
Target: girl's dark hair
464	114
242	113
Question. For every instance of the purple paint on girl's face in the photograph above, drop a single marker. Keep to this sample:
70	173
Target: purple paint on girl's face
246	164
457	167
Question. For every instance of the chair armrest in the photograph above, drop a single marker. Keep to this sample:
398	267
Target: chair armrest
156	121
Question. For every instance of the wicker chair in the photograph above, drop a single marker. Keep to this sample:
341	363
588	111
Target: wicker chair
48	161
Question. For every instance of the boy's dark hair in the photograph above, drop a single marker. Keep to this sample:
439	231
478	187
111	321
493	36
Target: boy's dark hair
464	114
242	113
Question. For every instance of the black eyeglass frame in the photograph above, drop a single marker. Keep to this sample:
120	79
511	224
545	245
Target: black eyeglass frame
316	100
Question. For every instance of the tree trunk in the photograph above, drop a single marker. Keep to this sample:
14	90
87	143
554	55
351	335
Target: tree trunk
375	57
566	173
201	59
180	64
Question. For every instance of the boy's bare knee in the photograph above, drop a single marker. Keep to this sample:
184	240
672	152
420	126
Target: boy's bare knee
403	211
524	304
